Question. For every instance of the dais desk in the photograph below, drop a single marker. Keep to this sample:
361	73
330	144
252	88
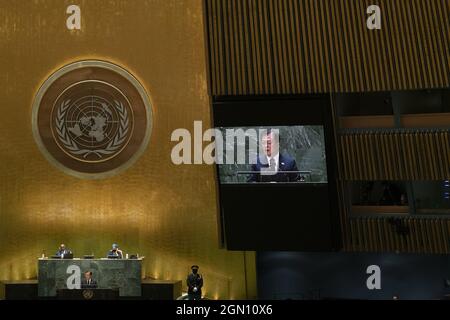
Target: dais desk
122	274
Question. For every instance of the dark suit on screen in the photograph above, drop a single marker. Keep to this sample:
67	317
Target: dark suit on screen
89	284
285	163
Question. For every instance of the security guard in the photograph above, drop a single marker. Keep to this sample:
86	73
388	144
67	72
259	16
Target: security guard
195	284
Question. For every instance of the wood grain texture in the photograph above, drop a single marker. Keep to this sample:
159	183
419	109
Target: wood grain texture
426	235
312	46
407	154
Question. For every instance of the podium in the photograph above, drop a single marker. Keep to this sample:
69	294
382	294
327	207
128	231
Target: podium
123	275
18	290
87	294
161	289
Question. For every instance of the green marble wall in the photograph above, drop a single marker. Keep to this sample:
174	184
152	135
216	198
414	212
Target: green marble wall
124	275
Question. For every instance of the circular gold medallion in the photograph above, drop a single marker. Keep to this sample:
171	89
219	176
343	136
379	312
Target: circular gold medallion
92	119
88	294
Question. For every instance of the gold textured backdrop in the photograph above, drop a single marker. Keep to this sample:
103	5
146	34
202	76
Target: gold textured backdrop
167	213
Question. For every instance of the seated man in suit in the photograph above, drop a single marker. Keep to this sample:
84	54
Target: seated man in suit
88	282
271	163
62	251
115	252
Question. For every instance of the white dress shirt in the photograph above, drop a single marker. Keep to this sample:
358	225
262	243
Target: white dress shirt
276	158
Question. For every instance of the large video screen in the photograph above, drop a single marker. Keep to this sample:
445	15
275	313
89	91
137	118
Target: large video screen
276	165
278	154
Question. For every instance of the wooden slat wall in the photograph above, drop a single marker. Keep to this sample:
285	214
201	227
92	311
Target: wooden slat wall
379	234
312	46
316	46
395	155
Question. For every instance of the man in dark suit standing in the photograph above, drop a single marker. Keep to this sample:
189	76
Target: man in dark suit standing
88	282
271	163
195	284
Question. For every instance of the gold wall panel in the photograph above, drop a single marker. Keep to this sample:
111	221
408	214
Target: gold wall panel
304	46
167	213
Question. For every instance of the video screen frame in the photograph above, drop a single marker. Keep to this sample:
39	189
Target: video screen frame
284	110
273	154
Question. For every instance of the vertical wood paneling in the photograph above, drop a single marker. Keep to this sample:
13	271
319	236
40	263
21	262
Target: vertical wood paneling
308	46
314	46
377	234
395	155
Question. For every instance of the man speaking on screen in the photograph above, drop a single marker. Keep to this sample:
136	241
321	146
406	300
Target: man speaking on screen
271	165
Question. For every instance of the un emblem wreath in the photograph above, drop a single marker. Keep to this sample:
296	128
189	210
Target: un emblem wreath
92	119
71	145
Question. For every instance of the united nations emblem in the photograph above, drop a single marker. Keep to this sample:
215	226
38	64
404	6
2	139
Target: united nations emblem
92	119
87	294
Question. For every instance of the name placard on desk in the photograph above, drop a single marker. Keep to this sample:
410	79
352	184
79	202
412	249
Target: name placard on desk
118	274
